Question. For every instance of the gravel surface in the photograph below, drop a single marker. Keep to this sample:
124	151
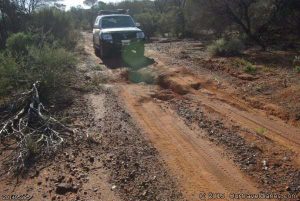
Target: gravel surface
134	164
272	168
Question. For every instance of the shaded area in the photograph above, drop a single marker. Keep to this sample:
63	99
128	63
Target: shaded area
276	59
131	61
138	67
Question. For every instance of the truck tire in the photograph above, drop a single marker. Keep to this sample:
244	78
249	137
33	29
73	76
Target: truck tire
103	53
97	52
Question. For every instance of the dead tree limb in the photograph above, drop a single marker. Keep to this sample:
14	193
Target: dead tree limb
31	134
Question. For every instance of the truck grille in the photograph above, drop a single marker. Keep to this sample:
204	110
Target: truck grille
117	37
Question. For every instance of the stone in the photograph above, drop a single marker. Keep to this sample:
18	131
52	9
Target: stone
64	188
247	77
92	159
113	187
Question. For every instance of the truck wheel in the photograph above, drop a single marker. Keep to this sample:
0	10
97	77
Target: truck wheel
97	52
103	53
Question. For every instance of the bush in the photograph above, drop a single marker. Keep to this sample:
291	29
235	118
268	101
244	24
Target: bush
297	69
18	43
222	47
249	68
9	73
217	47
53	68
245	65
148	23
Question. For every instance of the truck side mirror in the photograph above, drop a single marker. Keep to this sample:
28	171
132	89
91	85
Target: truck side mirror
137	24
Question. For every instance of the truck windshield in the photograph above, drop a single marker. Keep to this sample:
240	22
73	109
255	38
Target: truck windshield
117	22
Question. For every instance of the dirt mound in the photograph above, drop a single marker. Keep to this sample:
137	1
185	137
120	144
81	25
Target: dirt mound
163	95
290	98
179	82
167	82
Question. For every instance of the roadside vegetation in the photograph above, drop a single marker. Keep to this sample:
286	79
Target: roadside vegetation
37	62
40	51
222	47
265	23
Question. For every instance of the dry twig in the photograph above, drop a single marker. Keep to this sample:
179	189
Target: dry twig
29	133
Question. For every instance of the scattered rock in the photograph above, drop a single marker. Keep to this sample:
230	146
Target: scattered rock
60	178
64	188
92	159
87	77
113	187
247	77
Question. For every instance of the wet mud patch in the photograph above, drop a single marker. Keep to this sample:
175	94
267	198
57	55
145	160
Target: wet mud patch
181	81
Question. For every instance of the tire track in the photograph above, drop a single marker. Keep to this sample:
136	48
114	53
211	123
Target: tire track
199	164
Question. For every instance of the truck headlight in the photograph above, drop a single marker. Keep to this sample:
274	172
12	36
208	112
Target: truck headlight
106	36
140	35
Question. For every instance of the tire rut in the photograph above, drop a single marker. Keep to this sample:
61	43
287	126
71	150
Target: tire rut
199	164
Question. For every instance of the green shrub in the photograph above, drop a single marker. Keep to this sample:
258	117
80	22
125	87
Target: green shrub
297	69
250	68
245	65
148	22
9	73
240	62
18	43
222	47
261	130
216	47
53	68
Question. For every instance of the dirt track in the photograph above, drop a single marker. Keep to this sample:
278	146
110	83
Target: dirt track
198	161
162	131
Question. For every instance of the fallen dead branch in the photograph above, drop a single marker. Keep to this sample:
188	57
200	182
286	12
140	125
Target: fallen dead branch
29	134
